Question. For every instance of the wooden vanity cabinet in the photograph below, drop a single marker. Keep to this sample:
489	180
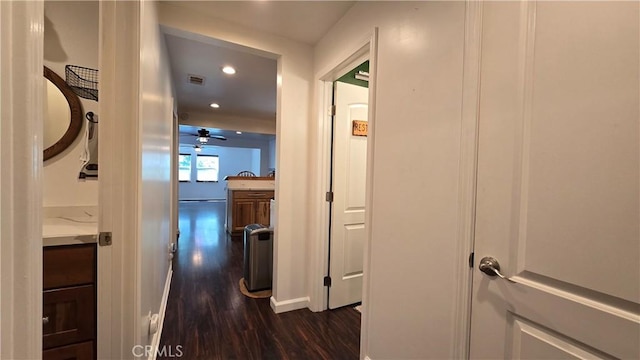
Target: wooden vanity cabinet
247	207
79	351
69	302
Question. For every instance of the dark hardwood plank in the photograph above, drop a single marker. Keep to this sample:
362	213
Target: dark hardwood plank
210	319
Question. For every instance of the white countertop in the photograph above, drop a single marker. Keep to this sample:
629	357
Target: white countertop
251	184
69	230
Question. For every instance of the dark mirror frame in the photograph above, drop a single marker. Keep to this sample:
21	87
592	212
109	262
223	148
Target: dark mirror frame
75	123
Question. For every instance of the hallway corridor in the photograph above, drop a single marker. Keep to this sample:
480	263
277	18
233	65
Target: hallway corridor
210	319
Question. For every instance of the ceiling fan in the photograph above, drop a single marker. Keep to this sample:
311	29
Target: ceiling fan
203	136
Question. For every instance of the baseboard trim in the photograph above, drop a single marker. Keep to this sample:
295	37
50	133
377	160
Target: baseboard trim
155	342
289	305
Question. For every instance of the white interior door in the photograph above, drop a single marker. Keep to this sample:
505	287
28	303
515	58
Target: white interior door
349	181
558	182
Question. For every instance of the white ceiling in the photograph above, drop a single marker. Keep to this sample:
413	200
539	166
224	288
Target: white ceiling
188	135
304	21
251	92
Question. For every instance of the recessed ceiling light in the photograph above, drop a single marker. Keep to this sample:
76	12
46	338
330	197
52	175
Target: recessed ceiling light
228	70
214	105
239	132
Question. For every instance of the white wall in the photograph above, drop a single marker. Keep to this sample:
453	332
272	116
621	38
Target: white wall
292	125
156	130
229	122
244	141
410	301
232	160
71	37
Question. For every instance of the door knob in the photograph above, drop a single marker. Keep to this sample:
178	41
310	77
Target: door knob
491	267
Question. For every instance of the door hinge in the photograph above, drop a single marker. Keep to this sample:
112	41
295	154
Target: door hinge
332	110
329	196
327	281
104	238
471	256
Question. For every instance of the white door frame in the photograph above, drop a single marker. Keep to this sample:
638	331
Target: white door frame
320	251
21	109
467	178
118	297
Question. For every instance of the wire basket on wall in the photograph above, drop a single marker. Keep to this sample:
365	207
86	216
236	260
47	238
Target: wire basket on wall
83	81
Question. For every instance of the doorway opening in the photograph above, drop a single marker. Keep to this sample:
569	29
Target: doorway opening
347	235
361	114
227	107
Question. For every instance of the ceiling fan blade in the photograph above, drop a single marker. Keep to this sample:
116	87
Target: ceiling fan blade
205	135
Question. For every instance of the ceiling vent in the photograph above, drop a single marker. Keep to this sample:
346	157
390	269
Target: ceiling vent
196	80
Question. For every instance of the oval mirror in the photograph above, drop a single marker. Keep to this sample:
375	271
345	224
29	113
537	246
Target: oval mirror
62	117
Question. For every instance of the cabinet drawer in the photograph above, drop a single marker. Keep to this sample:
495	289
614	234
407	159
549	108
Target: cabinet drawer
68	265
258	194
68	316
82	351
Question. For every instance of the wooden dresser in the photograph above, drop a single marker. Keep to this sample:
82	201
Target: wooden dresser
69	302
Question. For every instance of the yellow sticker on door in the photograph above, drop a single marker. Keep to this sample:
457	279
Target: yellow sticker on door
359	128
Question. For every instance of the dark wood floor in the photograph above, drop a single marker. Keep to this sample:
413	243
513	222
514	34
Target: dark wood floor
210	319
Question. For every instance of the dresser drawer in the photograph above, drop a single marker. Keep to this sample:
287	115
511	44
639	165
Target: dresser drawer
82	351
68	316
256	194
68	265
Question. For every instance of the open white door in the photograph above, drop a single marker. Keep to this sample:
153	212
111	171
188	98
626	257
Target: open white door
349	181
558	182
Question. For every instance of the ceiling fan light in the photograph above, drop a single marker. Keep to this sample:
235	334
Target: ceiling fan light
203	140
197	148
